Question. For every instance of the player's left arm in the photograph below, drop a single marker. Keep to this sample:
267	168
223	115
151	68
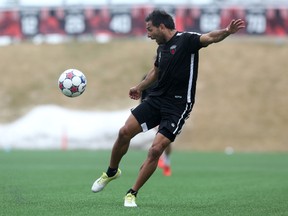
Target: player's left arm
219	35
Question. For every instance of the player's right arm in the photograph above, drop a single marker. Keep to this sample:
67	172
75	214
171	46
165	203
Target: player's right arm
136	91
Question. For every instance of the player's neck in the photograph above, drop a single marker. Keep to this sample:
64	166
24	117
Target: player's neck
170	34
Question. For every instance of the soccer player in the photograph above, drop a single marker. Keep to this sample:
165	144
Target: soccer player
171	101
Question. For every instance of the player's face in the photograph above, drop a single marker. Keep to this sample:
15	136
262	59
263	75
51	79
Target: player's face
155	33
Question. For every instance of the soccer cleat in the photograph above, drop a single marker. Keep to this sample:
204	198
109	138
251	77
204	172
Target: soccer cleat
101	182
161	163
167	171
129	200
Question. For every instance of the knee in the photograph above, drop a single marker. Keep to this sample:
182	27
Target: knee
125	133
155	152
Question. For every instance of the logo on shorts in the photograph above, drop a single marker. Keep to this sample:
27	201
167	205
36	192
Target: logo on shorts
173	125
173	49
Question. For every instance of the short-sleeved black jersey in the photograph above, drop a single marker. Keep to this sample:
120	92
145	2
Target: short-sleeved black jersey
177	61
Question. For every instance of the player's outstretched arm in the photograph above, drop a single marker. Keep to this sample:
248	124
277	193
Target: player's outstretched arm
219	35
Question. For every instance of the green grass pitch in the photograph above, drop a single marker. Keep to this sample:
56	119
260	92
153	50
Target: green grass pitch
59	182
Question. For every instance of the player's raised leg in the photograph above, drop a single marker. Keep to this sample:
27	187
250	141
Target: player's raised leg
121	146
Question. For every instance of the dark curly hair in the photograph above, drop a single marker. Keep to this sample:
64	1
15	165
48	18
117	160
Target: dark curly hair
158	17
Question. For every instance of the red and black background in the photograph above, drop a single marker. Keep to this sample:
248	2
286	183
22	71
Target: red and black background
129	20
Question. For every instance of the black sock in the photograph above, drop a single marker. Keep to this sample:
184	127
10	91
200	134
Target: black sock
133	192
111	171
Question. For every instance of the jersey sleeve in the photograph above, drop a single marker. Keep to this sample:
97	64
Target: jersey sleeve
194	43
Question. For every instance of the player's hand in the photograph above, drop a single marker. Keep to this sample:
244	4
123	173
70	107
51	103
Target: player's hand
235	26
134	93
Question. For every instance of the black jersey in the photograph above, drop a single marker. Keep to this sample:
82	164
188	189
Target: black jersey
177	61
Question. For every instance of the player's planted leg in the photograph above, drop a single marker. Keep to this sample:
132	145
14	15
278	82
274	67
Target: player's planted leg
148	168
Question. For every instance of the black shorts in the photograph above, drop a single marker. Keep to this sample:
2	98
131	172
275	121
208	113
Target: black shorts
169	115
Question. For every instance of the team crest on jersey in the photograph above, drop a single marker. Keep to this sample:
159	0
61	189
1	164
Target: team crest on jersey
173	49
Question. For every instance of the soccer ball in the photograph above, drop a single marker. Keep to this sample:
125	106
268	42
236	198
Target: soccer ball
72	82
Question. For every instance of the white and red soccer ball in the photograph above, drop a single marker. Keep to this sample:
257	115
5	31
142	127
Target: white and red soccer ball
72	82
